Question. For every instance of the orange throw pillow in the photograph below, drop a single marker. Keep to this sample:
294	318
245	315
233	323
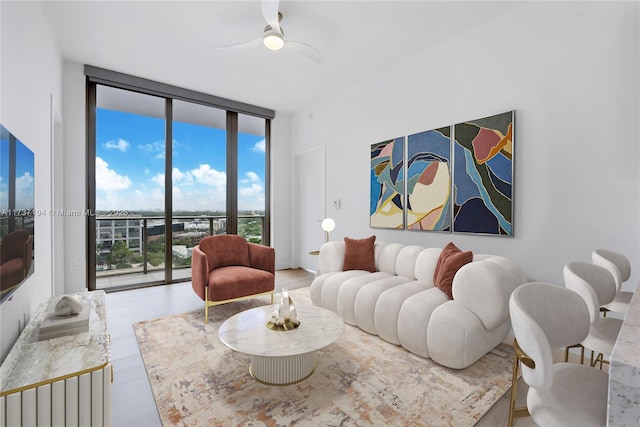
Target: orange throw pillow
359	254
450	261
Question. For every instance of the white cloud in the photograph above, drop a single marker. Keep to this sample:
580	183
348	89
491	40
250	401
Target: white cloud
176	175
158	179
118	144
250	177
205	175
259	147
24	188
157	148
152	147
108	179
179	176
24	182
253	190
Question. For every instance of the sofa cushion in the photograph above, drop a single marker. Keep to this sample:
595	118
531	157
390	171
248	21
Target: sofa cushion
238	281
359	254
451	248
450	261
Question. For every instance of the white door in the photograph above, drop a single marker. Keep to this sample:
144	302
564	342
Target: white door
311	205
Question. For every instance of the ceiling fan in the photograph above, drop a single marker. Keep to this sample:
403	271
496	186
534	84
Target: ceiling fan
273	37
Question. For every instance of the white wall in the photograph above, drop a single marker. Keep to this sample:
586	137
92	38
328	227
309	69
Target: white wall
31	74
75	177
281	188
571	72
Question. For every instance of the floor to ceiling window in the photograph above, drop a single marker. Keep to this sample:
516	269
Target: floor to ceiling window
167	167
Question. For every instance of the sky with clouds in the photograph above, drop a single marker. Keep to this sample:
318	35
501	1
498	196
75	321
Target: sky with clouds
130	165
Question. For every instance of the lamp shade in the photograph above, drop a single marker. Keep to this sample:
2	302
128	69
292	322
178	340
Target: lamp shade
328	224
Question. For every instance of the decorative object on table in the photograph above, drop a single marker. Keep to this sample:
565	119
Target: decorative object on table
429	180
328	224
284	317
68	304
386	208
483	175
69	316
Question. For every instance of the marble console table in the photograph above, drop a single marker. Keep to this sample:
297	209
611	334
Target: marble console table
623	408
281	357
60	381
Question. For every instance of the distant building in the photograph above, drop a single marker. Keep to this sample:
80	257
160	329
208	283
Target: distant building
109	231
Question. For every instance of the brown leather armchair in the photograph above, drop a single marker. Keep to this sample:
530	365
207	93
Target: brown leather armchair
227	268
16	253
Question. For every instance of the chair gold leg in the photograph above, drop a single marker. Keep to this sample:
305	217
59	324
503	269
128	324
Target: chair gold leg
206	306
514	386
599	359
513	411
566	352
272	297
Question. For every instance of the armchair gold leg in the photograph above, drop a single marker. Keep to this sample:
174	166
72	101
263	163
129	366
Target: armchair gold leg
206	306
519	356
208	303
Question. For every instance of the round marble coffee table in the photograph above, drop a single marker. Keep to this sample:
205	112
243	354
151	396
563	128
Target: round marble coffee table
281	357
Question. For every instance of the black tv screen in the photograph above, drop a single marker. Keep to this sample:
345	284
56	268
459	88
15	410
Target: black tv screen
16	213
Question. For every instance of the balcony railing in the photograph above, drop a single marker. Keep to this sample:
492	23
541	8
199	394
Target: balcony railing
144	241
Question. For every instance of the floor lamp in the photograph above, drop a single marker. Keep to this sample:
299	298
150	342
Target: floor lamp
328	225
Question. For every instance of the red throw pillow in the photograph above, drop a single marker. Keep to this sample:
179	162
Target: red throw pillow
448	250
450	261
359	254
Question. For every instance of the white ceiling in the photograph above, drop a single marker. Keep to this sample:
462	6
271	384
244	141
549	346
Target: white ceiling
175	42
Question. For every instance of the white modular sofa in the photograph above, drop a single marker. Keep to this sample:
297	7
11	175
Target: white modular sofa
400	304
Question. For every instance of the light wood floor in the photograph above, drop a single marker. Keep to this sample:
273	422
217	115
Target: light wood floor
132	400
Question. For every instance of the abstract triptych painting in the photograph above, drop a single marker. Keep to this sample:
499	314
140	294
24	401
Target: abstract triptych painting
458	178
429	180
483	175
387	184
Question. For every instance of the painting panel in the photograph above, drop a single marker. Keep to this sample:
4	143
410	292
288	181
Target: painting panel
483	175
428	204
386	208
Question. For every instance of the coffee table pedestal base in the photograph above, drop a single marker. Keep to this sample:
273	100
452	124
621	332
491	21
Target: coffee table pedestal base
282	370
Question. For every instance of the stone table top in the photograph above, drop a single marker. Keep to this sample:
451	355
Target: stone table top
624	371
247	332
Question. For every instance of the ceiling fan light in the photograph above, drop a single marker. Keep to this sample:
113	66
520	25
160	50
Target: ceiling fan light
273	41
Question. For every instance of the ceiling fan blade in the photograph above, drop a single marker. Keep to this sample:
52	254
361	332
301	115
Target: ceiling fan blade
244	45
270	13
305	49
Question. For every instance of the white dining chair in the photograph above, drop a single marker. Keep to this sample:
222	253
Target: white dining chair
620	268
597	288
546	317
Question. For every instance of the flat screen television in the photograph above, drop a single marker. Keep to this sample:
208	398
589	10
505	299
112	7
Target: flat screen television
16	213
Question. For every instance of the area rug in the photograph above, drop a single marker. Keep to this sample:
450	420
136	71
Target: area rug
360	380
